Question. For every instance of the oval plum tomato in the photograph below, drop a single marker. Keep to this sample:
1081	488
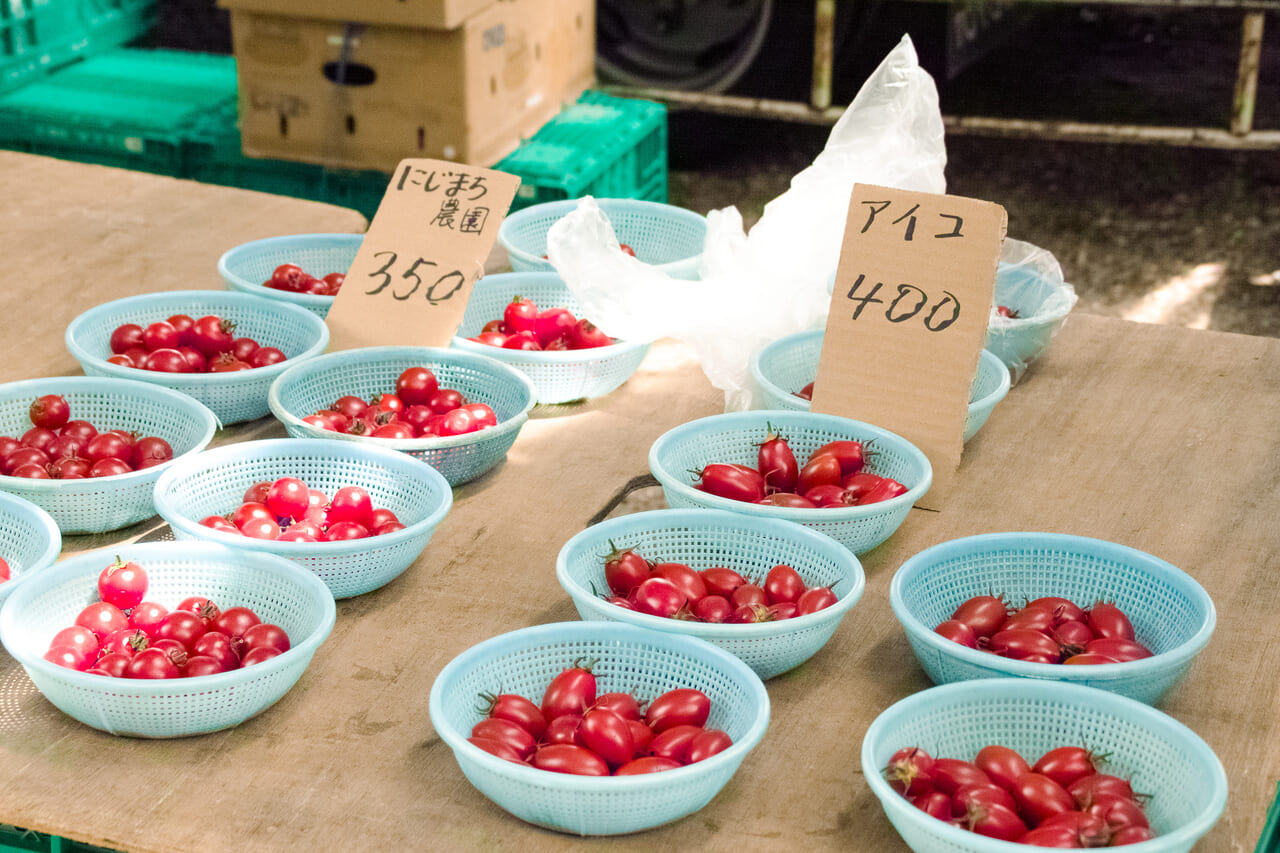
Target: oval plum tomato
196	362
674	742
152	663
850	453
569	758
234	621
814	599
514	709
351	503
1002	764
712	608
777	463
1023	644
1067	764
586	335
721	581
996	822
607	735
647	764
735	482
150	450
624	569
783	583
1116	812
829	495
562	729
707	743
507	732
266	635
1089	659
1131	835
212	335
267	356
685	578
1063	610
227	363
415	385
988	794
102	618
622	704
125	336
520	315
146	616
641	736
1039	798
910	772
258	655
1116	647
1085	788
498	748
983	613
123	583
1073	634
335	280
1088	830
1109	622
949	774
933	803
50	411
1031	620
787	499
750	614
887	489
822	470
748	594
572	691
657	597
1055	837
957	632
681	706
198	665
109	467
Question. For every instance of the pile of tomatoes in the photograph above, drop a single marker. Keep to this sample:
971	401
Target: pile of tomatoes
576	731
181	344
1046	630
123	635
1060	801
294	279
57	447
717	594
834	475
524	327
287	510
419	408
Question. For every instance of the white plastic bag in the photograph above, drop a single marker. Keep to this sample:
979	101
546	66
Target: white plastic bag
758	287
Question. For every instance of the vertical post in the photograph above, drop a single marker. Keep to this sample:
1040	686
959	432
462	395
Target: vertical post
824	25
1247	74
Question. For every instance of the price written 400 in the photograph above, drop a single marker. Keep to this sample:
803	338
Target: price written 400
443	287
908	303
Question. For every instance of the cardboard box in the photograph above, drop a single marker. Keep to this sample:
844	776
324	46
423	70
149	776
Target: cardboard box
432	14
366	96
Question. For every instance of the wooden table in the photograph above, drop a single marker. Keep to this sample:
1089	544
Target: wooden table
1161	438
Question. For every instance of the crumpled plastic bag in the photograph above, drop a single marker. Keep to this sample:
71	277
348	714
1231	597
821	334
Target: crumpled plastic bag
758	287
1029	281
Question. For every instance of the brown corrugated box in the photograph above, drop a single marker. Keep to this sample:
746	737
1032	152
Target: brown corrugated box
432	14
366	96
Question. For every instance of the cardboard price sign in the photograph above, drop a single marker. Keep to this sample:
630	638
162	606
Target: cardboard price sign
908	319
424	250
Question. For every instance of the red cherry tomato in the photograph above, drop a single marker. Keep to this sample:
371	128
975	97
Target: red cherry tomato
266	635
712	608
152	663
123	583
258	655
234	621
50	411
102	618
815	599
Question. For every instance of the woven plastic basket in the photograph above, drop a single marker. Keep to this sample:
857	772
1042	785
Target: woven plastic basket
1042	307
1172	614
667	237
29	540
248	265
234	396
643	662
789	363
279	591
702	538
100	504
214	482
1160	756
733	438
315	384
559	376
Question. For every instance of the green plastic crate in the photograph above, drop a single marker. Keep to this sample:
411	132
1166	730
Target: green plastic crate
16	840
603	146
39	36
134	109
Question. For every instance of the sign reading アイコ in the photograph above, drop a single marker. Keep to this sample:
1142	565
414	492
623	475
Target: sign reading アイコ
908	319
423	252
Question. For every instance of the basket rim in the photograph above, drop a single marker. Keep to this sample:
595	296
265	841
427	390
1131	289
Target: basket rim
83	565
244	285
198	412
561	632
1106	672
401	463
755	418
389	353
830	549
39	521
554	208
194	380
1096	700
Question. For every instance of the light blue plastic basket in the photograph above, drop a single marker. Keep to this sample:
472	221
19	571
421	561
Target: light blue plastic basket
1160	756
315	384
636	660
1042	307
100	504
702	538
214	483
734	438
234	396
788	364
667	237
29	540
248	265
279	591
1172	614
559	376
